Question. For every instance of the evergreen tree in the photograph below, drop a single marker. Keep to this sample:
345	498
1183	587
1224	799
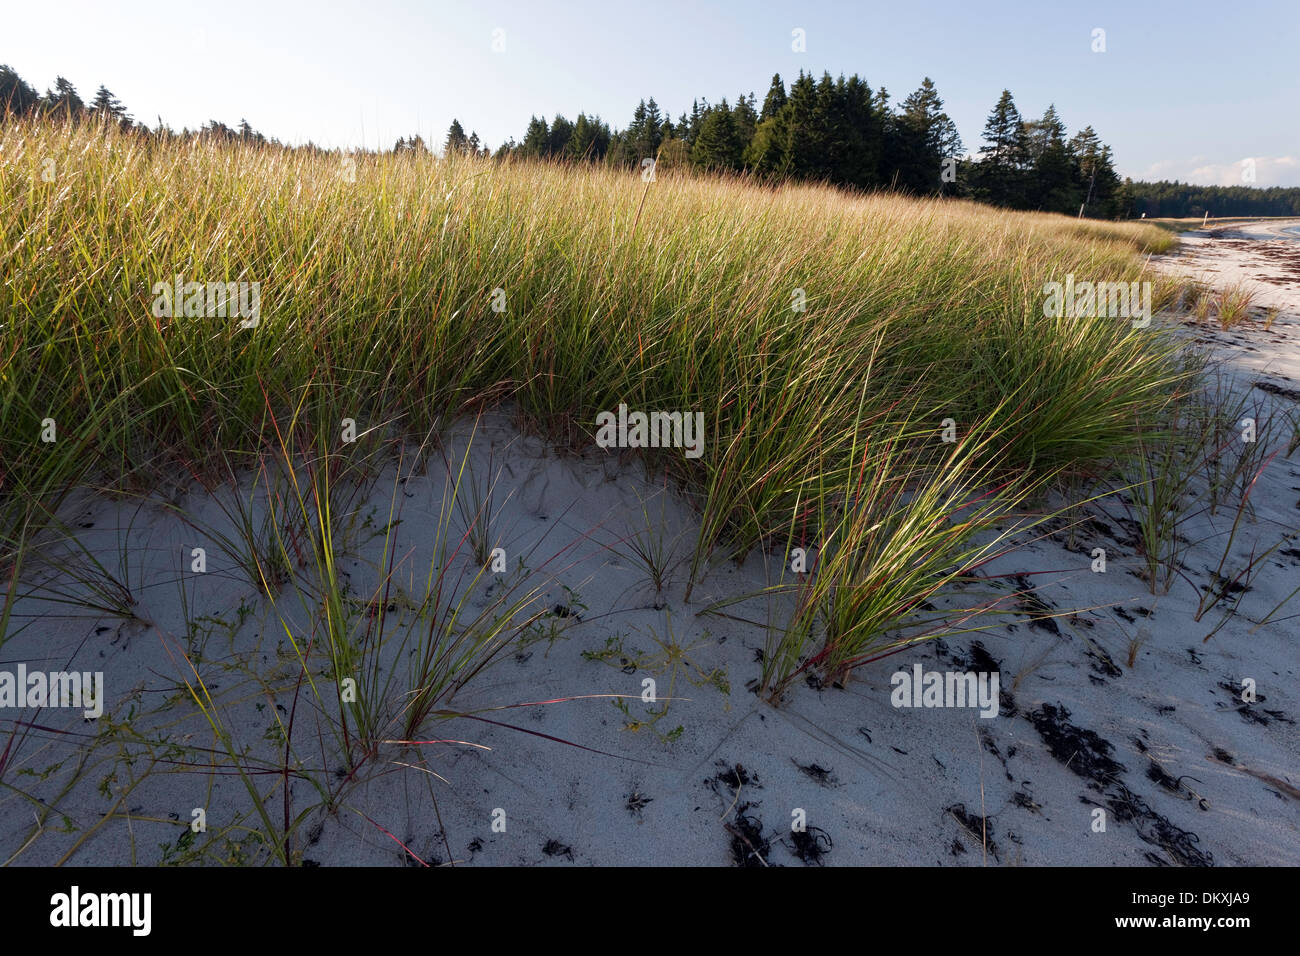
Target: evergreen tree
63	99
745	117
647	134
590	139
1054	178
457	141
696	118
561	133
106	105
799	157
924	137
827	146
16	95
673	154
718	145
766	151
999	175
775	99
413	145
215	129
1097	179
537	138
864	135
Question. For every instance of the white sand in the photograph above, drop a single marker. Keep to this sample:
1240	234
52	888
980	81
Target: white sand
897	782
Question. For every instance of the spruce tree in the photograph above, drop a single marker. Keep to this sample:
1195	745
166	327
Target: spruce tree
925	137
718	144
63	99
457	141
536	138
775	99
1096	176
16	95
1054	185
561	133
799	157
107	105
999	175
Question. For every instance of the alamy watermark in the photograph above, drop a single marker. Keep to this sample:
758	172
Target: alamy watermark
75	908
652	430
53	689
1082	300
923	688
224	300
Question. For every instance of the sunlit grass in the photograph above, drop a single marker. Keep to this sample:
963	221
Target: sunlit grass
403	291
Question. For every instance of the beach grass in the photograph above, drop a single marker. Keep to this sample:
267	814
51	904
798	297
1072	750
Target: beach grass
879	383
397	293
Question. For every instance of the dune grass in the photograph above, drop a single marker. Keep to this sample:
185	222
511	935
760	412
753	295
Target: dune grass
400	292
878	382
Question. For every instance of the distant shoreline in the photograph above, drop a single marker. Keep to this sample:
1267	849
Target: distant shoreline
1271	229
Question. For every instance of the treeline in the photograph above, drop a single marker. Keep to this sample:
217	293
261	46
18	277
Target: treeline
19	98
1180	200
838	131
842	132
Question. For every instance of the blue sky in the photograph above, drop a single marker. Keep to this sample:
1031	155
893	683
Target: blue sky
1184	90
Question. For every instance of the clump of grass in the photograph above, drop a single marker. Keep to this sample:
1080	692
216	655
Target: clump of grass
916	515
1232	305
651	549
1164	472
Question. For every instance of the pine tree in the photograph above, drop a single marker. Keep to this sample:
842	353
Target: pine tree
766	151
536	138
697	117
1096	176
64	99
718	145
590	138
827	147
457	141
1054	179
16	95
775	99
745	117
799	157
413	145
561	133
863	133
925	136
106	105
1000	173
649	133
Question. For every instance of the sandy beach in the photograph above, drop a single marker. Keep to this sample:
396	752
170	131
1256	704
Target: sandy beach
1126	730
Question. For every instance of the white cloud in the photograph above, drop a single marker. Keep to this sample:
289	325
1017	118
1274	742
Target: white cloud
1267	171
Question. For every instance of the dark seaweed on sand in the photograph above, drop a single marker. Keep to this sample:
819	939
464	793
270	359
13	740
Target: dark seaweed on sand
1088	755
748	847
810	845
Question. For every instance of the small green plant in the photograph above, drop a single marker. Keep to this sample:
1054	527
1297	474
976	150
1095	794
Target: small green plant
1164	471
673	660
478	508
648	547
1233	305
